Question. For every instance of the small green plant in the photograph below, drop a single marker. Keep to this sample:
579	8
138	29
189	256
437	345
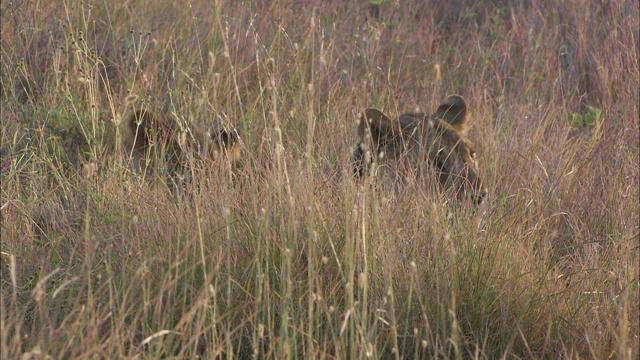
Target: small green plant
590	117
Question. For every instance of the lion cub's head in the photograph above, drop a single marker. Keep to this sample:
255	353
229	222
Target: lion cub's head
439	139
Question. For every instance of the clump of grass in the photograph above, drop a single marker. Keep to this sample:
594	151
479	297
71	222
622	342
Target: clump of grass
284	255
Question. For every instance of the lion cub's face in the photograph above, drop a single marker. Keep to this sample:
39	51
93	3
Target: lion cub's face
142	137
397	146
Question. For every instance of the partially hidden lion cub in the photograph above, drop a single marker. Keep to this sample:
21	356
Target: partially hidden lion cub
396	147
147	140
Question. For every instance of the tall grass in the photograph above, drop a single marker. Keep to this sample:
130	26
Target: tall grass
284	256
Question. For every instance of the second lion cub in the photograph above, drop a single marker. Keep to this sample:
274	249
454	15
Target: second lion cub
148	141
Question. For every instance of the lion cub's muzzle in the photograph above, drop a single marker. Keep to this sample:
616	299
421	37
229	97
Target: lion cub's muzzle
467	182
478	191
459	170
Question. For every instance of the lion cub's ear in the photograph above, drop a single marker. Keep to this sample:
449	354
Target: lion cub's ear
380	125
228	143
454	111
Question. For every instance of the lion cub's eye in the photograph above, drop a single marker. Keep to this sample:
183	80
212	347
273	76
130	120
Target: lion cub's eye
473	155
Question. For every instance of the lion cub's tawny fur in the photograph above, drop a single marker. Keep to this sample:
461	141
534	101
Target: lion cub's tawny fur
396	146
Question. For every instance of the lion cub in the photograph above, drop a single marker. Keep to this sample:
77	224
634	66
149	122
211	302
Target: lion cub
396	147
147	140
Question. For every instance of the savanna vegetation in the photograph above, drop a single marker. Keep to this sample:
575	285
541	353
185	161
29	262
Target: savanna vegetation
283	255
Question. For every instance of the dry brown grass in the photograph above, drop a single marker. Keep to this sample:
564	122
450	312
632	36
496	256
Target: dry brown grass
284	255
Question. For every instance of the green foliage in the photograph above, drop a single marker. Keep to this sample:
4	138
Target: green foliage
592	116
589	118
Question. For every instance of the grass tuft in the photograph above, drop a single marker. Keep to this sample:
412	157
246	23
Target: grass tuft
283	255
